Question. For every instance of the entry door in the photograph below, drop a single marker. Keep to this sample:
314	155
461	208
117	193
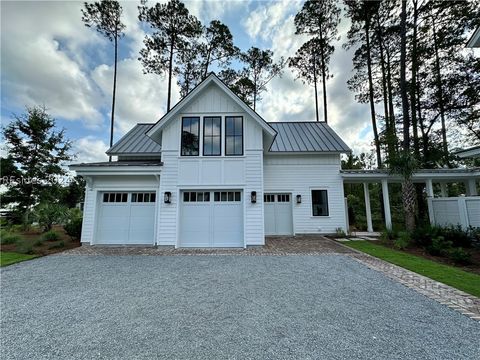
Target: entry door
211	219
278	214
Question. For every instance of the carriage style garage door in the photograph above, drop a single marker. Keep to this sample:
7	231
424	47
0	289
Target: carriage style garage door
126	218
278	214
211	219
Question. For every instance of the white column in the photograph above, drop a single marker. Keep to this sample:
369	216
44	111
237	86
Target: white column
443	189
386	205
429	187
471	187
368	210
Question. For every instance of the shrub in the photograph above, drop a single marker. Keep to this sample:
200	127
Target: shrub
50	236
48	214
339	233
423	235
73	227
439	246
403	240
458	236
460	255
58	245
25	248
388	235
39	242
7	238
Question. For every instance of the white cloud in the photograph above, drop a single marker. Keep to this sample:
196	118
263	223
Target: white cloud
90	149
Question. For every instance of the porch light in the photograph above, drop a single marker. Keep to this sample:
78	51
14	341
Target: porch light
253	197
299	199
167	197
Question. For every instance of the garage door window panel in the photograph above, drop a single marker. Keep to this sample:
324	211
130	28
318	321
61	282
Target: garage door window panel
143	197
115	197
319	203
227	196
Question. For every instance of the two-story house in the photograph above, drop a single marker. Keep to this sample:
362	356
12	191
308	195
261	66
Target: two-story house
212	173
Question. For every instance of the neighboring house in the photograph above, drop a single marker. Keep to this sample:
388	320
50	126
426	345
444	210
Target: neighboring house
213	173
474	41
473	152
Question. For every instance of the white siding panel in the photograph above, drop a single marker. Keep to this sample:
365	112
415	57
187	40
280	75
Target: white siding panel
167	214
254	226
212	100
299	174
473	211
446	212
88	216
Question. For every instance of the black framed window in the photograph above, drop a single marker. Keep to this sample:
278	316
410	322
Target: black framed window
143	197
319	203
233	135
115	197
190	136
212	136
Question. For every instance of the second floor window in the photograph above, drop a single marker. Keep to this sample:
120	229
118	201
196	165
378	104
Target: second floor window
190	136
233	135
212	136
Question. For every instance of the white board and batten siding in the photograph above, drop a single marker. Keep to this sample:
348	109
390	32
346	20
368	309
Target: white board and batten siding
463	211
299	175
183	173
110	183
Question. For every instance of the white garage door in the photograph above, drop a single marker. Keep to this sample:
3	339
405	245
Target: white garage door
278	214
126	218
211	219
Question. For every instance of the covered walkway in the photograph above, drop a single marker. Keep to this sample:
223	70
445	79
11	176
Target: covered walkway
463	210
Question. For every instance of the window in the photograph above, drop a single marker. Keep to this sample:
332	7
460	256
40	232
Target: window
196	196
268	198
319	203
227	196
283	198
233	135
190	136
212	136
115	197
143	197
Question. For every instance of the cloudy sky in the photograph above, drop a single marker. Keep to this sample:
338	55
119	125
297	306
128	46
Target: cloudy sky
48	57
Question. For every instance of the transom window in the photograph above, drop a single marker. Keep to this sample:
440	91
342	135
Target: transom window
268	198
196	196
212	136
115	197
319	203
233	135
143	197
190	136
227	196
283	198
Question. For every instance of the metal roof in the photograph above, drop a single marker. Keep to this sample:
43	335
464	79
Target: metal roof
135	142
120	163
310	136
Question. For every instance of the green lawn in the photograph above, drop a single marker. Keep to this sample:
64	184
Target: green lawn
9	258
462	280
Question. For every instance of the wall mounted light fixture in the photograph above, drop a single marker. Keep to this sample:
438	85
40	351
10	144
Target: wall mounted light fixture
253	197
167	197
299	199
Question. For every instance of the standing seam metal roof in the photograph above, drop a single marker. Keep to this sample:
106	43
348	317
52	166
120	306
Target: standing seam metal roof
306	136
135	142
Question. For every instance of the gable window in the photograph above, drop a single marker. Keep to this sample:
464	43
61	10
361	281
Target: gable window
233	135
190	136
319	203
212	136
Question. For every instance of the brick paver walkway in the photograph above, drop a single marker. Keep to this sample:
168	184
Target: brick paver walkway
314	245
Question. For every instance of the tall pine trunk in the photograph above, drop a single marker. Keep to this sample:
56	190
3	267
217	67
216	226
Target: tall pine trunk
115	41
315	85
170	74
324	79
371	96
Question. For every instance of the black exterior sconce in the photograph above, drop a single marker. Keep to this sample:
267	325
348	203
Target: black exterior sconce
299	199
253	197
167	197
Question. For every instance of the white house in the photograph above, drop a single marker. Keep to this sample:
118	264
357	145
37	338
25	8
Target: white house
213	173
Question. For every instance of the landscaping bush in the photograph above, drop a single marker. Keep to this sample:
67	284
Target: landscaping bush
39	242
59	245
402	241
458	236
51	236
73	227
422	235
24	248
48	214
7	238
460	255
388	235
439	246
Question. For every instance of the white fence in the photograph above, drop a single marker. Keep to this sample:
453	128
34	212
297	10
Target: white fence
464	211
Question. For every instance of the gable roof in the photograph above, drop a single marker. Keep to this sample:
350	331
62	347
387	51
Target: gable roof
135	142
211	78
308	136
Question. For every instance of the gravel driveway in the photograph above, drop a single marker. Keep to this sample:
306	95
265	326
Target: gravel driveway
219	307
